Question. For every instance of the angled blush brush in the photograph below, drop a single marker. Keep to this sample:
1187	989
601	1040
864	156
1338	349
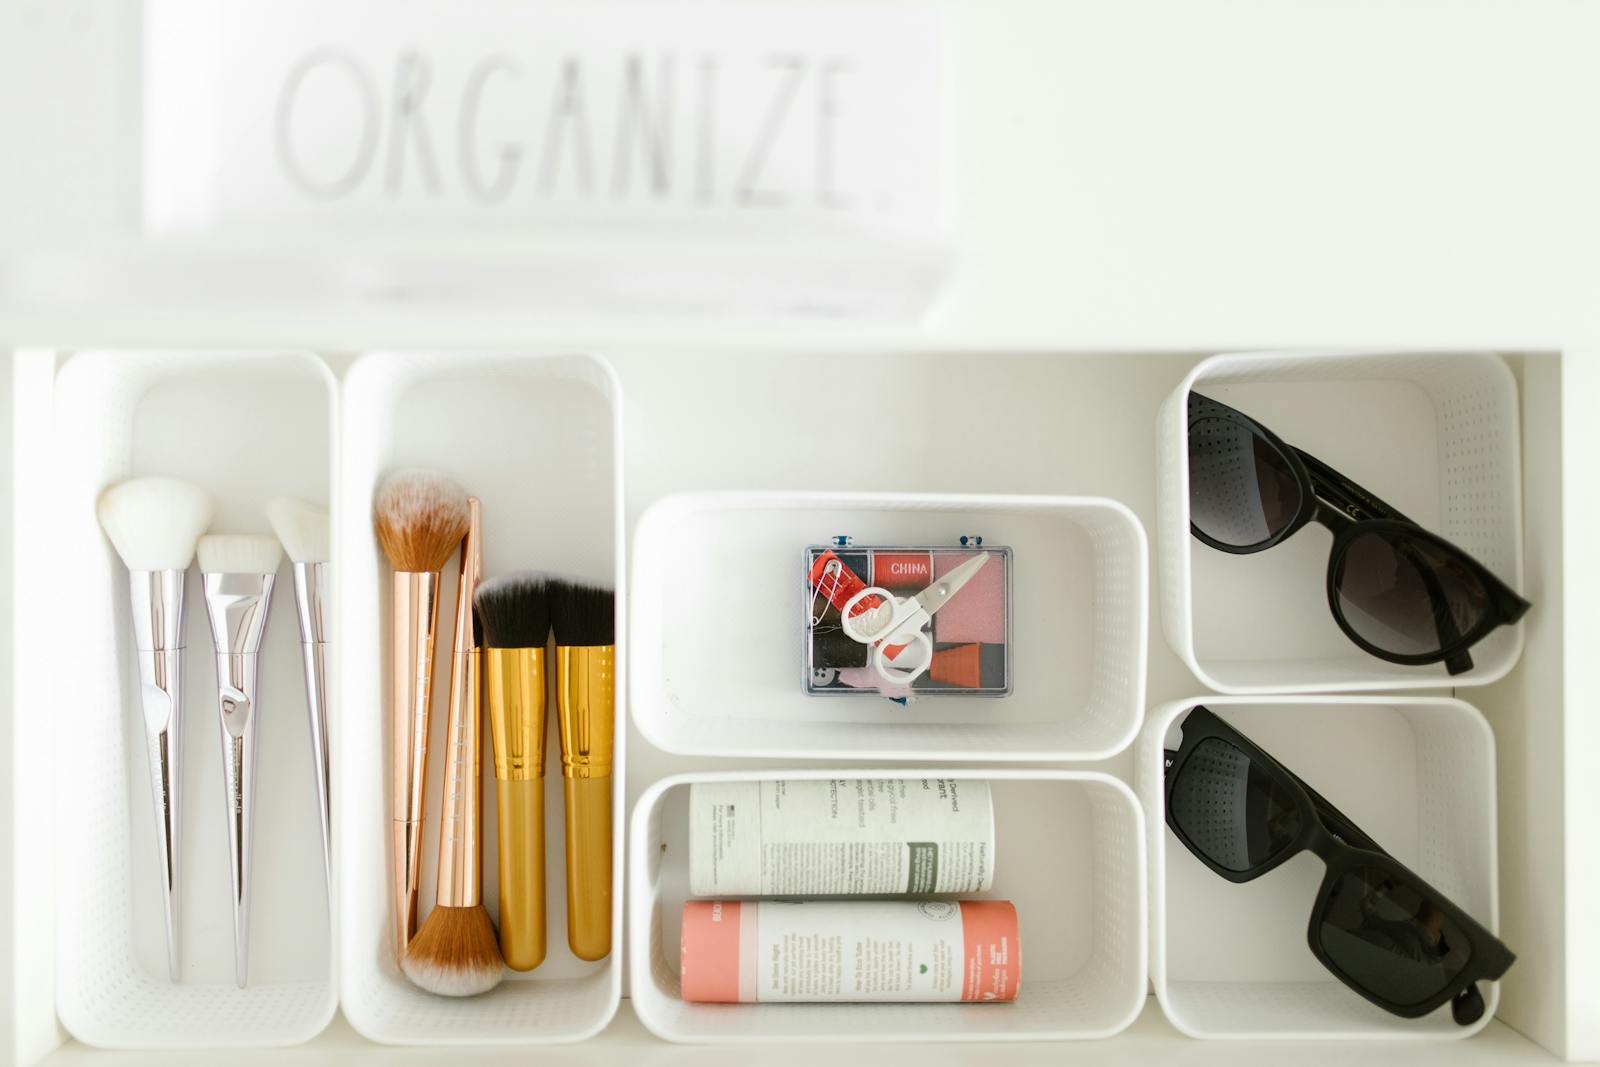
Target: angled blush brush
154	524
420	517
303	529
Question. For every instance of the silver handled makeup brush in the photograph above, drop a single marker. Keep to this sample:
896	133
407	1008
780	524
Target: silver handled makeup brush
239	571
303	529
154	523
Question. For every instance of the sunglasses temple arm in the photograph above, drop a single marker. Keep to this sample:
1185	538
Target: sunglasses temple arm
1339	824
1346	495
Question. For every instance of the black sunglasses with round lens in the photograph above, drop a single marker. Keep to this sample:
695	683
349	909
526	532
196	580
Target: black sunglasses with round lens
1398	591
1377	925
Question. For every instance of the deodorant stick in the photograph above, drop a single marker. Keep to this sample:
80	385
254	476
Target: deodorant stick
830	951
841	837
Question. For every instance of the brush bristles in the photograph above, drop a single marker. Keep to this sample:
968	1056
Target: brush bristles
302	527
239	554
582	614
456	953
421	516
154	522
514	610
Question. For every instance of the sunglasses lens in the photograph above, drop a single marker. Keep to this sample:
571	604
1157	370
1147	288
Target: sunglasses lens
1406	595
1390	939
1231	811
1242	490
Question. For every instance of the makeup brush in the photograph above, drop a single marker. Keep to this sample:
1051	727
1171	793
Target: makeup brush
514	611
154	523
420	517
303	529
239	572
456	954
583	617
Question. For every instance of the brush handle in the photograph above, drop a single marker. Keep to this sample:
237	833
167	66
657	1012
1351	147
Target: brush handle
310	581
414	625
161	695
460	824
238	686
158	621
589	867
522	921
586	706
514	690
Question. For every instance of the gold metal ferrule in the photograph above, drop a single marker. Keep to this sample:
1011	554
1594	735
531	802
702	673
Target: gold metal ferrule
515	685
586	698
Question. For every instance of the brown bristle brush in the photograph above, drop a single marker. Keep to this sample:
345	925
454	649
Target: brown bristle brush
420	516
457	953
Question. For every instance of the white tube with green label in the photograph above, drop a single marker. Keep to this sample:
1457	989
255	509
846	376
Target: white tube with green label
841	837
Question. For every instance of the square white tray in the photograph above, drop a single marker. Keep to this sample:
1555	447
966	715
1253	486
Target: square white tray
1437	436
1417	773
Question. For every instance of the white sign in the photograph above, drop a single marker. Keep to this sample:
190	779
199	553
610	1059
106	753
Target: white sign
494	115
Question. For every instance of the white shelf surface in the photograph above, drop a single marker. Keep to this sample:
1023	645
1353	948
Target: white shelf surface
1151	1039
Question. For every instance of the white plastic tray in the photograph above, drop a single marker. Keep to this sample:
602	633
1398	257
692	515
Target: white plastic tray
1435	435
247	427
539	440
1417	773
718	621
1069	853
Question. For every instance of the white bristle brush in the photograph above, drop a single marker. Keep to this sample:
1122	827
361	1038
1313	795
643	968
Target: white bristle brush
154	524
239	571
303	529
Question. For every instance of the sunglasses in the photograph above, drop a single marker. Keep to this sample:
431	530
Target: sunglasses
1398	591
1380	928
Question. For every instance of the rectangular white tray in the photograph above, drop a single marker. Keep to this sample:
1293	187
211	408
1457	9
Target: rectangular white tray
1068	853
718	628
539	440
246	427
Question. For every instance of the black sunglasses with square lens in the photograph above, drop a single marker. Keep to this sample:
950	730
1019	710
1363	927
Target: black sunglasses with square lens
1400	592
1380	928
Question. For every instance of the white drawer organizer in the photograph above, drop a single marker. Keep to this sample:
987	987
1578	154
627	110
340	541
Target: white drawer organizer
1437	436
246	428
1068	852
1417	773
539	440
727	565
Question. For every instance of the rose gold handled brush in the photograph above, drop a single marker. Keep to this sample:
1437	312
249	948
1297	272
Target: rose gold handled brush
421	517
456	953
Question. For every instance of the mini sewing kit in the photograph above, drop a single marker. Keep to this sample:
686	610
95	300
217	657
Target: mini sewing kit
904	620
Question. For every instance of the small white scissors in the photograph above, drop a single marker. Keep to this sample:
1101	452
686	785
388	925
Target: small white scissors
896	623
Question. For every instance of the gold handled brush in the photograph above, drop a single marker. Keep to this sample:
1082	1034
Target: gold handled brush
583	618
421	517
455	954
515	614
